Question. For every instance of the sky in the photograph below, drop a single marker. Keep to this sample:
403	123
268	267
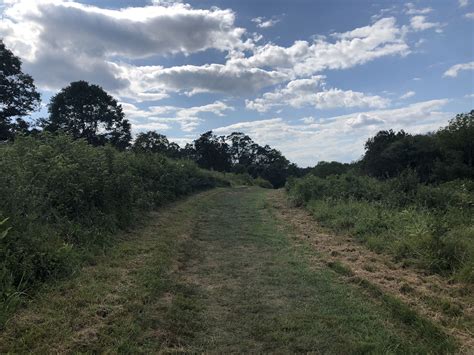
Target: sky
312	78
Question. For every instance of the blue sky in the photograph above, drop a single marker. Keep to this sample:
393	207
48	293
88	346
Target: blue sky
312	78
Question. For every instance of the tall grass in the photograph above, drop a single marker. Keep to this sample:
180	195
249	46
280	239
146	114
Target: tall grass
64	198
429	226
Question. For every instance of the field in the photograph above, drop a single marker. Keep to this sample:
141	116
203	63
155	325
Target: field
223	271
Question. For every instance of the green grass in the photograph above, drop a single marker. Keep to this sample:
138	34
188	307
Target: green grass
438	243
215	273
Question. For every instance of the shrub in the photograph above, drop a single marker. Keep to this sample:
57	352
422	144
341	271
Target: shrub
64	197
427	225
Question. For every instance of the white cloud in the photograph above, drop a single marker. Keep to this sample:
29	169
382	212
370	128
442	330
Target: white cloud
469	15
356	47
193	79
308	120
419	23
455	69
412	10
262	22
340	138
312	91
165	2
161	117
407	95
61	41
463	3
363	120
135	32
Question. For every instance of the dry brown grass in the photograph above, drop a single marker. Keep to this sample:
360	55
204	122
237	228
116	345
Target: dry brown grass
449	304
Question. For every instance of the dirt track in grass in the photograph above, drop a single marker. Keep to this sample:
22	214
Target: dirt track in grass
218	272
449	304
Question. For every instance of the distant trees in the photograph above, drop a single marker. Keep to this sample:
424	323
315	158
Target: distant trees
153	142
86	111
457	143
212	152
376	162
445	155
18	95
324	168
238	153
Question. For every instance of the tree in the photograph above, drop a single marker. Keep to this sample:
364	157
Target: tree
18	95
457	142
151	142
271	165
459	136
212	152
242	149
324	168
86	111
374	162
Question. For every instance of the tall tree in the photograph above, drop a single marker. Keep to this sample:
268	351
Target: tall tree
212	152
375	163
459	135
457	141
242	149
151	142
18	95
86	111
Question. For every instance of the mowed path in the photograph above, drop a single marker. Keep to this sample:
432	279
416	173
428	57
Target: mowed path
217	272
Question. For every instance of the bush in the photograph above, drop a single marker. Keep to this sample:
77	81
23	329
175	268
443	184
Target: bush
64	197
427	225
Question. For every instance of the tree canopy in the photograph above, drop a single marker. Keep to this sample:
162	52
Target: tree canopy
18	95
86	111
153	142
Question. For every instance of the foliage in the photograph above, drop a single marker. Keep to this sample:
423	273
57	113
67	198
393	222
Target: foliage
324	169
446	155
86	111
430	226
66	196
153	142
240	154
211	152
18	95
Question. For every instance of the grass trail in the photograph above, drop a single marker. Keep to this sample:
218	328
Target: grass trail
214	273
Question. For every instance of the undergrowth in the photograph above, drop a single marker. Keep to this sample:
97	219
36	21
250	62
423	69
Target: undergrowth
430	226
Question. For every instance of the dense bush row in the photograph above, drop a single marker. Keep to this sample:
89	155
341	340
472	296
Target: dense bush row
62	197
429	225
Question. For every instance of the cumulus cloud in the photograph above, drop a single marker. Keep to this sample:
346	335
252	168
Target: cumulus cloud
356	47
61	41
463	3
407	95
419	23
161	117
262	22
412	10
363	120
469	15
339	138
455	69
134	32
312	91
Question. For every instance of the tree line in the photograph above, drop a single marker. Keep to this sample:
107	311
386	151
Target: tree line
436	157
86	111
